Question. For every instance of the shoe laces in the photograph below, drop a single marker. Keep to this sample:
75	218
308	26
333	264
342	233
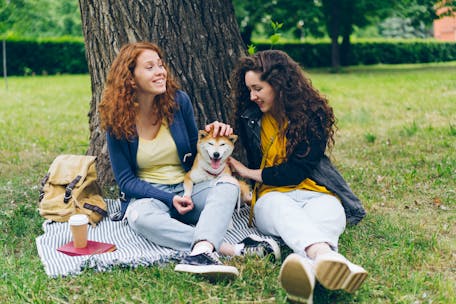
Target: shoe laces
213	256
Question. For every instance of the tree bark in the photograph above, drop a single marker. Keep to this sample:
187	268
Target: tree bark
201	41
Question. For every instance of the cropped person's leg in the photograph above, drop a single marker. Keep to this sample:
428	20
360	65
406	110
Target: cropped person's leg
301	218
322	221
151	219
215	204
332	269
219	203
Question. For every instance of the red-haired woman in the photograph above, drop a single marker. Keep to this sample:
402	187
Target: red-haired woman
151	138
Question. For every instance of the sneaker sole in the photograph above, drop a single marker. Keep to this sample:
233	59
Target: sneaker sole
273	243
354	281
294	279
210	271
335	275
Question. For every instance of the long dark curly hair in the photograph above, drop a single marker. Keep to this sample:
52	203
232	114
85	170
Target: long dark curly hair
297	102
118	106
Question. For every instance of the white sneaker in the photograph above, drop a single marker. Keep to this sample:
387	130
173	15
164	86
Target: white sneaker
297	278
334	271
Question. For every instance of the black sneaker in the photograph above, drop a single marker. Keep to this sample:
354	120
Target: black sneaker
256	245
208	265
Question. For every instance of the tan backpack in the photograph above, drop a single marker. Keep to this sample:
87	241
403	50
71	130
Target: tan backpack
70	187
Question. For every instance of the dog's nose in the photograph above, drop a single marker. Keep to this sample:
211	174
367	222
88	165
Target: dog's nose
216	155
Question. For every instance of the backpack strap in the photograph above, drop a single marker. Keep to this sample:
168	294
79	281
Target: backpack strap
43	182
124	202
96	209
69	188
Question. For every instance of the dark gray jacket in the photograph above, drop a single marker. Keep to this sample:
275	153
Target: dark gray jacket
315	166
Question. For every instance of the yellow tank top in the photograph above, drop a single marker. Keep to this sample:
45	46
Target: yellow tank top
273	147
158	160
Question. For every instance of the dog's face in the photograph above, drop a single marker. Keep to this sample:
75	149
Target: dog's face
215	150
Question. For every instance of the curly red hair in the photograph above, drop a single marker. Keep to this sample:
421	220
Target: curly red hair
118	107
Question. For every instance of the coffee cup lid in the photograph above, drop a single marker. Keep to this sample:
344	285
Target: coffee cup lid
78	219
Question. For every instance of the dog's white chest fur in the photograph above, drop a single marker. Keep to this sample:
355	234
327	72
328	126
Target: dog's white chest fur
204	172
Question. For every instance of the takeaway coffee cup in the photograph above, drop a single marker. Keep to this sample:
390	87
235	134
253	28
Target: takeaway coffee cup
79	224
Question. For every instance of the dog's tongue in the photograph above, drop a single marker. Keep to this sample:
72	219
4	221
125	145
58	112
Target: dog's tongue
215	163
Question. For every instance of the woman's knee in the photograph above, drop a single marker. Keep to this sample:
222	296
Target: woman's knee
330	213
267	207
333	205
228	179
146	214
227	189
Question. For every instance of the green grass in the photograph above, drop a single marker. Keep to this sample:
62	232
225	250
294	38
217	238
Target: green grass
395	145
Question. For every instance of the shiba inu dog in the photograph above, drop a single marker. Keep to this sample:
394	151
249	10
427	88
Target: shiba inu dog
211	162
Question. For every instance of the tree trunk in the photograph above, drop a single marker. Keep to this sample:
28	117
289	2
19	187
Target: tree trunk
345	49
201	42
332	11
335	54
346	29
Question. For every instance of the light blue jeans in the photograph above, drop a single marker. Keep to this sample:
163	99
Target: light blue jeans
301	218
214	203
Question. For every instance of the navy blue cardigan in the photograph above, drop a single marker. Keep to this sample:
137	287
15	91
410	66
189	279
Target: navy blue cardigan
122	154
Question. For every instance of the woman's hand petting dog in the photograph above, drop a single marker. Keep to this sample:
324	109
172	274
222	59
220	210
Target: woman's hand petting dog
219	129
237	167
241	170
183	204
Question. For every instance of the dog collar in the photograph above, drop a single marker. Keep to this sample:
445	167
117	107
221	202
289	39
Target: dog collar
214	174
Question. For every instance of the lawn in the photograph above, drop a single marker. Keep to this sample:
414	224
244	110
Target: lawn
396	146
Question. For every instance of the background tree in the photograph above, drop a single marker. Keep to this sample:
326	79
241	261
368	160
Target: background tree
299	17
341	17
337	19
5	16
201	41
40	18
412	19
249	15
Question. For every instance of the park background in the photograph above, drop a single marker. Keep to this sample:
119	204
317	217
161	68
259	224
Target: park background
395	146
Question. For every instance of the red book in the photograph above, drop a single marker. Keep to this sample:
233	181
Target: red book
93	247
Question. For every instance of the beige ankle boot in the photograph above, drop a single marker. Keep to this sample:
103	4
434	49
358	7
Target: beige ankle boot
334	271
297	278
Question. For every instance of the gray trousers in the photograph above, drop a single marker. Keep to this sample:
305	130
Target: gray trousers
301	218
214	203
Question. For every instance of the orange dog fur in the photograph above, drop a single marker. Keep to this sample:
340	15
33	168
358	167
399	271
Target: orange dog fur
211	163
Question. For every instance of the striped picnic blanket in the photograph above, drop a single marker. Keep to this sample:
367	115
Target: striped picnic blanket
132	249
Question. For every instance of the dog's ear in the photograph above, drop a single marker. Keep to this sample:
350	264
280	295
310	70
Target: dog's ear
233	138
202	134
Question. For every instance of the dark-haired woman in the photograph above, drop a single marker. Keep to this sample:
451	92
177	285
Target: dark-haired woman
286	126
